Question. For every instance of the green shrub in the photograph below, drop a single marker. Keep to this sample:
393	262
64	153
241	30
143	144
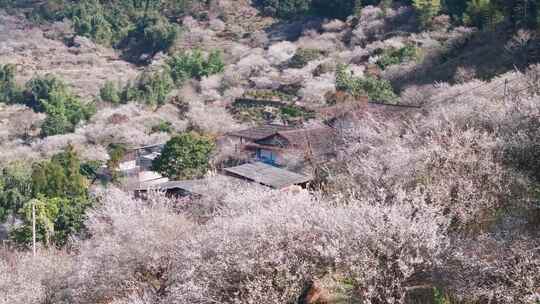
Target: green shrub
303	57
110	93
185	156
292	111
187	65
56	124
214	64
90	169
455	9
378	90
50	10
150	34
163	126
344	80
64	110
483	14
397	56
40	89
439	297
116	154
49	95
9	90
427	9
90	20
15	188
152	88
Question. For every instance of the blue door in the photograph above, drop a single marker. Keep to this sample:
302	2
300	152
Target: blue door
266	156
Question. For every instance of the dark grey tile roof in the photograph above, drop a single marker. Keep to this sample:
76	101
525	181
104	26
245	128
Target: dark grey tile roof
192	186
261	132
322	138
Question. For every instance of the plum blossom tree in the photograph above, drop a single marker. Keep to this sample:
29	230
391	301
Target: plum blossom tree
491	269
377	247
119	260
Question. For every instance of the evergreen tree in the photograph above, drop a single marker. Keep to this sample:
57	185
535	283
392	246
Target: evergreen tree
483	14
185	156
9	91
15	188
110	93
58	191
524	13
455	9
427	9
193	64
60	177
154	88
64	110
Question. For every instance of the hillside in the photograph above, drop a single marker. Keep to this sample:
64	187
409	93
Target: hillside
85	66
302	152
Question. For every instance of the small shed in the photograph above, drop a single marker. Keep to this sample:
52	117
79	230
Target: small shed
268	175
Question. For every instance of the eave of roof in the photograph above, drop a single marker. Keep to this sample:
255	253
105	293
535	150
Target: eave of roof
258	133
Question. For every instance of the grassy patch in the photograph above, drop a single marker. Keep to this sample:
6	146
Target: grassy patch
393	56
260	112
187	65
378	90
303	57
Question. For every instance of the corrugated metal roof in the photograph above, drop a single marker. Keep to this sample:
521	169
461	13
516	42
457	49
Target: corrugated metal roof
268	175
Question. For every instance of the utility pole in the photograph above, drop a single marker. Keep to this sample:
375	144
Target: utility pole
34	227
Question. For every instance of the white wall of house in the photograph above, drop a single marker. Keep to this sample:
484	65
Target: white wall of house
128	165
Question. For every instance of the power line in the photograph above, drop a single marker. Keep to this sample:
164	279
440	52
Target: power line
503	81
